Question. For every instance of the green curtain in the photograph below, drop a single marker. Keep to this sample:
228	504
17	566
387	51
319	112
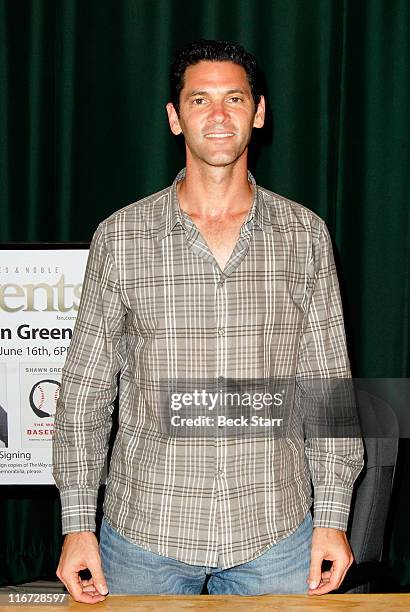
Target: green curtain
83	132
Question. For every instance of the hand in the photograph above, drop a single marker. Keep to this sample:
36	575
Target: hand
80	551
332	545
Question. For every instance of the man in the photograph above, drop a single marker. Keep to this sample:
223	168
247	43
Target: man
211	279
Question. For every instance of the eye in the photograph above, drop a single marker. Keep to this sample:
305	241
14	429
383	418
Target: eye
235	99
198	101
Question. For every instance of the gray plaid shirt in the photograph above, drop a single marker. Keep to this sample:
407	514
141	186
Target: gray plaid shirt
156	306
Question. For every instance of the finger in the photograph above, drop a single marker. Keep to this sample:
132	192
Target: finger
338	572
336	576
98	577
73	585
343	576
315	570
88	586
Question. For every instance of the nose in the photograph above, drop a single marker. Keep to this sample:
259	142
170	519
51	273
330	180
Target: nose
218	112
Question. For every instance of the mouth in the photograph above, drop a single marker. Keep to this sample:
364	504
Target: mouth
219	135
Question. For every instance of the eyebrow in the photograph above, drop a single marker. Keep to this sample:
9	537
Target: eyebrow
203	92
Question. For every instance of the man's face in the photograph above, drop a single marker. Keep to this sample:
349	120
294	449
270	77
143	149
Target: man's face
217	112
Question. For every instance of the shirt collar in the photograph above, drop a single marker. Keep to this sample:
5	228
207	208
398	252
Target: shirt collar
258	213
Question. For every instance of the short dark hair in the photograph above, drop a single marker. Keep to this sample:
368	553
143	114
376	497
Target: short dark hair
212	51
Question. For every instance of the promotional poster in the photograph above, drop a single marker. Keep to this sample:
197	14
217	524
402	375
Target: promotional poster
40	291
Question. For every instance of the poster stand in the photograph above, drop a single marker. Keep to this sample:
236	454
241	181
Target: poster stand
40	289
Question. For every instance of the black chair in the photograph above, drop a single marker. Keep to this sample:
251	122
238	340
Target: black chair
372	493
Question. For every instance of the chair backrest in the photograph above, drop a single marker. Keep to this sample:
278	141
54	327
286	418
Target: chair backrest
372	491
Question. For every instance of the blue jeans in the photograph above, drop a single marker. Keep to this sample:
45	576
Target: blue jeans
130	569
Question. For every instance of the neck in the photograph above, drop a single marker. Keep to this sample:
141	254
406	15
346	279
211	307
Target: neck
215	192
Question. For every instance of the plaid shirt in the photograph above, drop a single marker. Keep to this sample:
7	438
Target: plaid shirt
155	305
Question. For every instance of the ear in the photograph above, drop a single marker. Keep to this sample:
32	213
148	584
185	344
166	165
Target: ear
259	118
173	119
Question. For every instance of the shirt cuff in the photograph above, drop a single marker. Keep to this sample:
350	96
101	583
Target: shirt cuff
331	506
78	509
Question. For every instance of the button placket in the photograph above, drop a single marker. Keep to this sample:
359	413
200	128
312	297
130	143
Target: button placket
221	321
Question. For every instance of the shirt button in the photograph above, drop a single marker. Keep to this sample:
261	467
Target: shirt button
221	283
219	472
221	331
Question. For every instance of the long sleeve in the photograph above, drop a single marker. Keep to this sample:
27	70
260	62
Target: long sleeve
88	390
333	445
